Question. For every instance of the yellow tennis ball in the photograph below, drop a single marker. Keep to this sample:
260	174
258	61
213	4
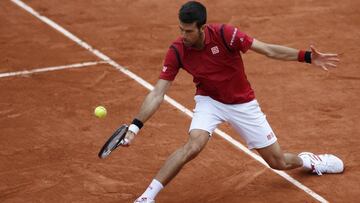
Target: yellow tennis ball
100	112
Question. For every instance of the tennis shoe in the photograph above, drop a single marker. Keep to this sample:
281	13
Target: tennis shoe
144	200
323	163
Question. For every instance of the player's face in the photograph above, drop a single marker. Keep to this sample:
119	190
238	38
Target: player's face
191	34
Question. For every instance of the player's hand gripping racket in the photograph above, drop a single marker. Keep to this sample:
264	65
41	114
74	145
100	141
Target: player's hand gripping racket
116	139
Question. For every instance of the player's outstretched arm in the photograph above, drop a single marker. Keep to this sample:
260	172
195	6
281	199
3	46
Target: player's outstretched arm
150	105
153	100
275	51
323	60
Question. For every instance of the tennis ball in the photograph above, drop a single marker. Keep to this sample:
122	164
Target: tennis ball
100	112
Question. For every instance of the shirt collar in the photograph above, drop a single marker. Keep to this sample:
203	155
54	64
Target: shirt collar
207	35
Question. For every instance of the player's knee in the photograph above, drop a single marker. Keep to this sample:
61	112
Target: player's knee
192	149
196	142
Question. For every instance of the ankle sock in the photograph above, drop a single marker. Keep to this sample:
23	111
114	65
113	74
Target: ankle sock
154	188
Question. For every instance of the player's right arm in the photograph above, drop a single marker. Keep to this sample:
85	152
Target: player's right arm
150	105
153	100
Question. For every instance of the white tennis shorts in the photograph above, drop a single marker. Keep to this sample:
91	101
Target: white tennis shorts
247	119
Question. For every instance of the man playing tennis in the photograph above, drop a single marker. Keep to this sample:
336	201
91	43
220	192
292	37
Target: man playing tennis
212	55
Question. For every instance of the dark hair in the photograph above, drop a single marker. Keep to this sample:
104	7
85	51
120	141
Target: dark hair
193	11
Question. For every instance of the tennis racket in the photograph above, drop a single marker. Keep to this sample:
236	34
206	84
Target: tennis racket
116	139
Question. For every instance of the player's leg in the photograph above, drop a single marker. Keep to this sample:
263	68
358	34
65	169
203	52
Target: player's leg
196	142
249	121
323	163
204	122
276	159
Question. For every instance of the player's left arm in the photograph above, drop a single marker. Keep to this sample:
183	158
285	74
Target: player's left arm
323	60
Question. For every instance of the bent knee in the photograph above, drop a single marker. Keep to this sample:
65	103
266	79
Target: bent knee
197	141
192	149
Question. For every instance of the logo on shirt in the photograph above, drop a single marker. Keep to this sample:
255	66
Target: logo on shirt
242	39
215	50
164	69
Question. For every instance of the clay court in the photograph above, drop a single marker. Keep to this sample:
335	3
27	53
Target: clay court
50	137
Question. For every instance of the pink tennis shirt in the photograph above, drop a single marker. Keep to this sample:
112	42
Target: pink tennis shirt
217	69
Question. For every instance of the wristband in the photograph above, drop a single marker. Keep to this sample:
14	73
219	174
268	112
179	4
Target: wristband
133	128
304	56
308	57
138	123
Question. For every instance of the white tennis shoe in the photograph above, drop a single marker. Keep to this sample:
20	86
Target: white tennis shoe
144	200
323	163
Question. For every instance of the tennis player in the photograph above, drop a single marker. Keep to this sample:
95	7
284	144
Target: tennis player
212	55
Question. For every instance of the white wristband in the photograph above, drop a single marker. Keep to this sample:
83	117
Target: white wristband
133	128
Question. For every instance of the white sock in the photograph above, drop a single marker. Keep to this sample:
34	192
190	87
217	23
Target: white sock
306	162
154	188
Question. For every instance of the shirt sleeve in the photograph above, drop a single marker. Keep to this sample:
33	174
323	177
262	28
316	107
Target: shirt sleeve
170	67
237	40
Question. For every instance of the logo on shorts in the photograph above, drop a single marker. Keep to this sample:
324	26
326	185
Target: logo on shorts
270	136
215	50
164	69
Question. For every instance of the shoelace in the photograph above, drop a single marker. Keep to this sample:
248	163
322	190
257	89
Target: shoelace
320	168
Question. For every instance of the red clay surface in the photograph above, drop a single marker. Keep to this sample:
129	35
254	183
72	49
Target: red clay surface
50	139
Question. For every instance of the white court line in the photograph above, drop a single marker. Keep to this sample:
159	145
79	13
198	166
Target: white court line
53	68
168	99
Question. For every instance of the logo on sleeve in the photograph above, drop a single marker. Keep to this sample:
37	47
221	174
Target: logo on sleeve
164	69
215	50
233	36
